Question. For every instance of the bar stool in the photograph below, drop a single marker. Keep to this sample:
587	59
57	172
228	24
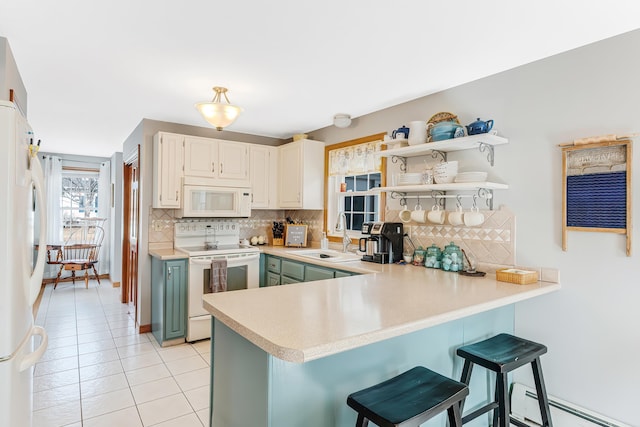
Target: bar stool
502	354
409	399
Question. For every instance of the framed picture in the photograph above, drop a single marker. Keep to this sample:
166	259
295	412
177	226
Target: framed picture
597	189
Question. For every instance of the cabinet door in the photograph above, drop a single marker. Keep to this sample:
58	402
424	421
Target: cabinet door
167	171
290	179
292	269
340	273
201	157
233	159
263	170
312	273
273	264
284	280
273	279
175	299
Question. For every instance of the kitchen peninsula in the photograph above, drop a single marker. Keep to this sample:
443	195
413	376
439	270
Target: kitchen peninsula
290	355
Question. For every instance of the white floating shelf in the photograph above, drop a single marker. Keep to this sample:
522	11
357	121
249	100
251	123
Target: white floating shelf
455	144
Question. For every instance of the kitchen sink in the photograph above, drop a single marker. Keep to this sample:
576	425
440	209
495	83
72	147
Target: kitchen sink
326	255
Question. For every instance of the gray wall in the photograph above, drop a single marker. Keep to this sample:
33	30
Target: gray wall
591	325
143	136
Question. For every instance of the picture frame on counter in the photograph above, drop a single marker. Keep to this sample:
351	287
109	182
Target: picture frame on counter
296	235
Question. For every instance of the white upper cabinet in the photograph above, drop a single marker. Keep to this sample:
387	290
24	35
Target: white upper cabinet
226	162
167	170
301	177
263	169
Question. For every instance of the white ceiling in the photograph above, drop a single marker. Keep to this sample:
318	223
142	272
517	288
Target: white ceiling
93	70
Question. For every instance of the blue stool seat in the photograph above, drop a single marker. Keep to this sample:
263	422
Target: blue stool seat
502	354
409	399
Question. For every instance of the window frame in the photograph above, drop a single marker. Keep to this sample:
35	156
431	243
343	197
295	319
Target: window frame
383	181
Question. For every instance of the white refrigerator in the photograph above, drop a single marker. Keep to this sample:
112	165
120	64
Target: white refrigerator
21	188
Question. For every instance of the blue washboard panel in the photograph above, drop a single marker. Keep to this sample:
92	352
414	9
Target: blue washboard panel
597	200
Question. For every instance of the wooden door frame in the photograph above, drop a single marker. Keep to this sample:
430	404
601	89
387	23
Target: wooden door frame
128	269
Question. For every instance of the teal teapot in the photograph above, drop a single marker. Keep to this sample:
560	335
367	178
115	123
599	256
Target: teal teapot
479	127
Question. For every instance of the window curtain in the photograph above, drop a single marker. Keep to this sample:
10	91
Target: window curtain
104	208
356	159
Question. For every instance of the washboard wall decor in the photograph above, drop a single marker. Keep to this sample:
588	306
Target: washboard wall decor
596	196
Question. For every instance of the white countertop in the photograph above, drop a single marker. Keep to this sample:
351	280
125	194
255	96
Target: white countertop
167	253
306	321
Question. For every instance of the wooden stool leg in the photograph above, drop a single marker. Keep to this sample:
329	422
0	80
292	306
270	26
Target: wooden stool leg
73	276
455	418
362	421
95	273
58	277
503	401
541	390
86	279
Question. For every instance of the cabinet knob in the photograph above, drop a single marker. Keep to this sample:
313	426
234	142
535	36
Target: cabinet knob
169	273
213	167
176	195
221	169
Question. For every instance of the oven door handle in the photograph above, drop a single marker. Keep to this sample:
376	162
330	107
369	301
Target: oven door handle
200	262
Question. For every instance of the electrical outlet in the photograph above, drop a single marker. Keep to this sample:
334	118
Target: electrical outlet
550	275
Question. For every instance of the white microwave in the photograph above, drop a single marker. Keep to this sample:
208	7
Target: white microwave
215	202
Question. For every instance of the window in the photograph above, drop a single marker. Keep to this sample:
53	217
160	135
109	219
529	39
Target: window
79	199
353	171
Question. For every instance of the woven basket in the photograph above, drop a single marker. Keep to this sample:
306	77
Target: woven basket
443	117
278	241
519	277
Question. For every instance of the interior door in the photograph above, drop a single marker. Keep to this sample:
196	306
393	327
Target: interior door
131	227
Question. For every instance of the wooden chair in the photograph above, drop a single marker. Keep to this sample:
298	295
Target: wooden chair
80	254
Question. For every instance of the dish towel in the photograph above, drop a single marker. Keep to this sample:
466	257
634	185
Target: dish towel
218	278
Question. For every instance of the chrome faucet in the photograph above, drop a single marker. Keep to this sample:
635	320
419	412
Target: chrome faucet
341	225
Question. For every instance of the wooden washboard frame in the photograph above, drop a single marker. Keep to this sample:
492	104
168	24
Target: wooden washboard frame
614	154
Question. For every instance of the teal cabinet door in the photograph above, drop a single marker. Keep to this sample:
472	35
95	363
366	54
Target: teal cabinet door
312	273
175	325
292	270
284	280
340	273
273	279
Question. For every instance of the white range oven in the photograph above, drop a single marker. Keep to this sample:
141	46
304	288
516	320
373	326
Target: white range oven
205	242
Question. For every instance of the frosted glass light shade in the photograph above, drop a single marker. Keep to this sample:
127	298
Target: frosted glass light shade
217	113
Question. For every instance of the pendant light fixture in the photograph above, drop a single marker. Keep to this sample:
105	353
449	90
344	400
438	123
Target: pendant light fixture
218	113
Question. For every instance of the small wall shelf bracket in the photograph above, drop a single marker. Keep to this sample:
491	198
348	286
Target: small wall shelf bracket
437	153
402	160
482	147
487	195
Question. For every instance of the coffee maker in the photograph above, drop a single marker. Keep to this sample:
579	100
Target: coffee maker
383	245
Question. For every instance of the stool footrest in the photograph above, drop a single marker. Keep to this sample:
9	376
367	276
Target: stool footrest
517	422
475	414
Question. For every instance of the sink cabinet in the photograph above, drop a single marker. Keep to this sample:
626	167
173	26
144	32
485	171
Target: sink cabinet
169	300
282	271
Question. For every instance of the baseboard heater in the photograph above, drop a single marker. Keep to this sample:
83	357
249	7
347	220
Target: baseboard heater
524	406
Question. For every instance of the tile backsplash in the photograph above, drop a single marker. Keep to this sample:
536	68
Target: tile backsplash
491	243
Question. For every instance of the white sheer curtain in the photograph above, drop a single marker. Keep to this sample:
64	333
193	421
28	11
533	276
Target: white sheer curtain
53	193
104	208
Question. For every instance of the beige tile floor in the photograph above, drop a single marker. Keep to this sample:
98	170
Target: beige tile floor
97	371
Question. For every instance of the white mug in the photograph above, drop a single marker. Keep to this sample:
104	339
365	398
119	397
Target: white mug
456	217
405	214
419	215
473	218
436	215
417	132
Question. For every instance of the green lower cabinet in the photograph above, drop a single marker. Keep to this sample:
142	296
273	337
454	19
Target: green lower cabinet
282	271
312	272
169	299
273	279
340	273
